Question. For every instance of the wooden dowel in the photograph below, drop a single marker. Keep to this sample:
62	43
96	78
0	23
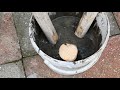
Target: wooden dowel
85	23
68	52
46	25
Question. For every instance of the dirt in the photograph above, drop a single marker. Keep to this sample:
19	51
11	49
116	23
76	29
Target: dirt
65	27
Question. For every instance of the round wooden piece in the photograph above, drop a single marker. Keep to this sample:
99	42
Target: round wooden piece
68	52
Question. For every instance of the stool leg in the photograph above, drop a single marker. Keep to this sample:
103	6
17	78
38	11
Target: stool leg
46	25
85	23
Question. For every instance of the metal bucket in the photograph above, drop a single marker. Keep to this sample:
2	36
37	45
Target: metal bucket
72	68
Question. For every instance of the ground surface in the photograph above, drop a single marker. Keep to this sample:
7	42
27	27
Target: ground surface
18	59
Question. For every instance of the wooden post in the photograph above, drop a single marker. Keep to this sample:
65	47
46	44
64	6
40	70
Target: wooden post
46	25
85	23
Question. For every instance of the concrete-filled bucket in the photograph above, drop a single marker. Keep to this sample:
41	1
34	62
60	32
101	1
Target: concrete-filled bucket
89	54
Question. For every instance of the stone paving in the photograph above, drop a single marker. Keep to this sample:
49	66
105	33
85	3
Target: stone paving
18	59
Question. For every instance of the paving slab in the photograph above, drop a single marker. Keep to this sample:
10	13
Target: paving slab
12	70
114	29
117	17
9	43
108	65
22	20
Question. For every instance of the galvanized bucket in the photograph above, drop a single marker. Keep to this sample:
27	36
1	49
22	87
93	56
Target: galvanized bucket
70	68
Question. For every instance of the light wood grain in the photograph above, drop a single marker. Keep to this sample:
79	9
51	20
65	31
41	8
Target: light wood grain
46	25
68	52
85	23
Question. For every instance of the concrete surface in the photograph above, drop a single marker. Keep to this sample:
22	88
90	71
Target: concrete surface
114	29
12	70
22	20
9	43
117	17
